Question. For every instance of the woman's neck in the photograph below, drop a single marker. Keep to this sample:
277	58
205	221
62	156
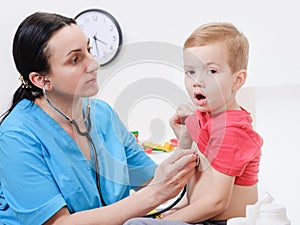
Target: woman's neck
57	107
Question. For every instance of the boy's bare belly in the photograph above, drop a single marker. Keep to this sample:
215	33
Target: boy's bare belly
201	183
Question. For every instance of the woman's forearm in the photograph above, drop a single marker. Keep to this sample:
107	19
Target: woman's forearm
169	179
136	205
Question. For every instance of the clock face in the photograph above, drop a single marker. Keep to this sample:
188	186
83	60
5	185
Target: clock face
104	33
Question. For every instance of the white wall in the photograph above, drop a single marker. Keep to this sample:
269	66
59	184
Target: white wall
272	28
277	119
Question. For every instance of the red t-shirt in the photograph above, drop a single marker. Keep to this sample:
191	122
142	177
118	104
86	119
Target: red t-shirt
229	143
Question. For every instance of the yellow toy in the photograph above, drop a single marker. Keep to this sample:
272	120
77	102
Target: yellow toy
157	147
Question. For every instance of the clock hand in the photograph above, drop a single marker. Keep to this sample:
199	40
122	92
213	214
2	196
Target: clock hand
96	46
96	39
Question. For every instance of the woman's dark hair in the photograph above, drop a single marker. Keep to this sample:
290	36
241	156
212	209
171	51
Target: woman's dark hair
31	53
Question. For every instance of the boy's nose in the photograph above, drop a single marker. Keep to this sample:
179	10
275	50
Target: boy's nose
198	82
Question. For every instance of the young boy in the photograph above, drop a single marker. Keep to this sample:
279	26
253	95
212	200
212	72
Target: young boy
215	65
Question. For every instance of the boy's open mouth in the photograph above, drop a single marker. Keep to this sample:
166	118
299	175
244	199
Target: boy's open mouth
199	96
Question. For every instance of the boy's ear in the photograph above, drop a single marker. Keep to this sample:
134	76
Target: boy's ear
39	80
240	78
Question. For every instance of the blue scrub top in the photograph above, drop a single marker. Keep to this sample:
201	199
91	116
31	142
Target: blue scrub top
42	169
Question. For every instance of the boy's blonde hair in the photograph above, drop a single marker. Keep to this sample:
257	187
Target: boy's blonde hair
236	43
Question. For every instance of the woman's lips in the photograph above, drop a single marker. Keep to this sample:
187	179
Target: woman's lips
91	81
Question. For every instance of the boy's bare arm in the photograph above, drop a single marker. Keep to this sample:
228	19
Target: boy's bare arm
183	203
209	205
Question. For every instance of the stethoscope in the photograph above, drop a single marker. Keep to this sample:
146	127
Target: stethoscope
86	133
158	213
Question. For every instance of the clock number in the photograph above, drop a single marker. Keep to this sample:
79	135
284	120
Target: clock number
104	33
95	17
81	26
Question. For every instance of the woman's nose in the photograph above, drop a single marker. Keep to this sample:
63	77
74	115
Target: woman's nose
94	65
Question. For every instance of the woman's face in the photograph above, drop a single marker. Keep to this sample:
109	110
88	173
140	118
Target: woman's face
73	70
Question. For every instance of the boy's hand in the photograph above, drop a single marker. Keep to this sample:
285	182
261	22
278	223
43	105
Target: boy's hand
178	125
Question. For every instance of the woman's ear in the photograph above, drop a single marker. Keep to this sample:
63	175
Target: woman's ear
239	79
39	80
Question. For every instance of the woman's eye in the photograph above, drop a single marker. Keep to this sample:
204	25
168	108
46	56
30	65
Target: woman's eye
89	49
75	59
211	71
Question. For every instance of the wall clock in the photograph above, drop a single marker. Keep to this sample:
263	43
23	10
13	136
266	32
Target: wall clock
104	32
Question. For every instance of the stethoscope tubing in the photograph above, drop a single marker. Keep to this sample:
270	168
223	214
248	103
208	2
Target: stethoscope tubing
86	134
95	155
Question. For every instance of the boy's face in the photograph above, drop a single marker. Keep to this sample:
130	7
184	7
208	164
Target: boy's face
208	78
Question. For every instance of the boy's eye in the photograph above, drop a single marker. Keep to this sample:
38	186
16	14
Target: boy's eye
211	71
190	73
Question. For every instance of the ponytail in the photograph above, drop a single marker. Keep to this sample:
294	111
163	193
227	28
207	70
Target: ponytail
20	94
31	54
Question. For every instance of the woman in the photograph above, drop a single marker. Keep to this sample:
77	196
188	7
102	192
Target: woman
66	159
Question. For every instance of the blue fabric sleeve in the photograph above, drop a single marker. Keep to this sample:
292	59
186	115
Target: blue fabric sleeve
25	167
140	166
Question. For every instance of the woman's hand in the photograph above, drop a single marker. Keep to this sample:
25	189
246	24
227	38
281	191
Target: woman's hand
173	173
177	124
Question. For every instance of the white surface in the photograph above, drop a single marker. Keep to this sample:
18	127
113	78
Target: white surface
158	157
273	30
